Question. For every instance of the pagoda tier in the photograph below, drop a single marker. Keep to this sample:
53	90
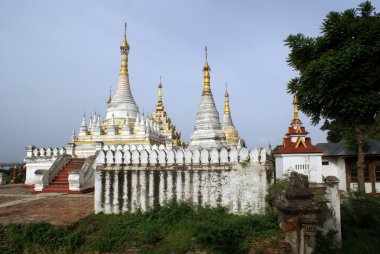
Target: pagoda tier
207	131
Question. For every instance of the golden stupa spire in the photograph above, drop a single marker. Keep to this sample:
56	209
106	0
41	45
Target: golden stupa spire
109	97
206	76
124	48
295	103
226	102
159	93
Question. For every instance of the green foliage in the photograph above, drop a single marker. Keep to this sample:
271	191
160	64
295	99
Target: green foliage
173	228
275	189
326	243
41	236
361	224
245	163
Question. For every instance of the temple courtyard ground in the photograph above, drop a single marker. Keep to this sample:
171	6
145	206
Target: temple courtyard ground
19	205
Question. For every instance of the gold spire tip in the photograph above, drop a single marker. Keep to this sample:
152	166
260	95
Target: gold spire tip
125	29
206	52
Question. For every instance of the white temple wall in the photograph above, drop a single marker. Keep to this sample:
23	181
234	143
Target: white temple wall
307	164
40	158
336	167
140	182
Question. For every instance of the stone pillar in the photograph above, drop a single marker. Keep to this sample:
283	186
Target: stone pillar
125	191
151	188
134	189
107	195
143	188
298	214
98	191
196	182
179	189
116	193
161	195
169	184
333	194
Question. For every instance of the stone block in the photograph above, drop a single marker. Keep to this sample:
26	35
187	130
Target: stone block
153	157
110	157
214	156
224	155
171	157
135	157
101	158
233	155
196	157
127	157
162	157
188	156
74	181
118	157
180	157
254	155
205	157
243	154
144	157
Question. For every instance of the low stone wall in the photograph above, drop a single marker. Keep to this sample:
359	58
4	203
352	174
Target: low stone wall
128	180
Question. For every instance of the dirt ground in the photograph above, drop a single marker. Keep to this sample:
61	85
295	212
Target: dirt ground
19	205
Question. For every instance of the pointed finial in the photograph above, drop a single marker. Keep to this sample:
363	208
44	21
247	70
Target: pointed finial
125	29
206	76
295	103
226	94
109	97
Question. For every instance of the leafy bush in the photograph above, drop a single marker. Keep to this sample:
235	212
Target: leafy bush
361	224
173	228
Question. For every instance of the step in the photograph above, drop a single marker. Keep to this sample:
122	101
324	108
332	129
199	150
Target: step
59	183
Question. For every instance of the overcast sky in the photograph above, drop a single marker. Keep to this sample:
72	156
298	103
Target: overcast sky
59	58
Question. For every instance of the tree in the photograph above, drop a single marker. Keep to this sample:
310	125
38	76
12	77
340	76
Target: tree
339	74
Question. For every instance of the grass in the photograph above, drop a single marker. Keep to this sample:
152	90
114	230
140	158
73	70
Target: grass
173	228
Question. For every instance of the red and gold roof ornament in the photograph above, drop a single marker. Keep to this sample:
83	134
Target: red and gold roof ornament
296	140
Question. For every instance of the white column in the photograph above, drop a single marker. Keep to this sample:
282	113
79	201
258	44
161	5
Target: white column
143	201
169	190
226	190
205	190
116	192
98	192
134	185
195	187
107	194
213	194
186	196
125	191
151	188
162	191
179	188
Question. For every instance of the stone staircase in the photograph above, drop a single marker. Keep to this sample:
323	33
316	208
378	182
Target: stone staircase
60	183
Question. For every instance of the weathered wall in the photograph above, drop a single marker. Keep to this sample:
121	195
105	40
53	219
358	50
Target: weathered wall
127	180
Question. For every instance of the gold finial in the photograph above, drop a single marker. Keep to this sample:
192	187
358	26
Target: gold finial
226	102
124	48
160	93
124	43
109	97
206	76
295	103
